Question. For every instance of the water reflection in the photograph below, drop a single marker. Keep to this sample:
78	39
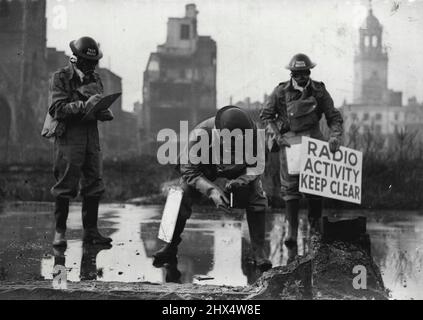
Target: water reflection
215	249
398	250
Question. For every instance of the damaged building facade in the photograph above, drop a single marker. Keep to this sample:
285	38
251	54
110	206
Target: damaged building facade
26	66
179	80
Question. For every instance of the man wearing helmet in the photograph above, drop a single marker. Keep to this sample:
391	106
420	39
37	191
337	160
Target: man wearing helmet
202	179
294	109
74	89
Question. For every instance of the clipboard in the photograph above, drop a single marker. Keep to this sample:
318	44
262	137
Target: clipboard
103	104
170	214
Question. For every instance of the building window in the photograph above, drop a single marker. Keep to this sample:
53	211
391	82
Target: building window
378	129
366	41
378	116
365	116
396	116
374	41
184	31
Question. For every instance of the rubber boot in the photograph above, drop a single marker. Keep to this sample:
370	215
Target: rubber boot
257	228
315	207
89	222
61	213
168	253
292	209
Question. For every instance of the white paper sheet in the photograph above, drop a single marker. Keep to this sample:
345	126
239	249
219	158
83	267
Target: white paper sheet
170	214
293	158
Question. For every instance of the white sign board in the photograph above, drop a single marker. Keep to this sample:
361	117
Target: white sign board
331	175
170	214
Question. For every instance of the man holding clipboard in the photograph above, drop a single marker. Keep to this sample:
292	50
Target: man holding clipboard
76	103
293	111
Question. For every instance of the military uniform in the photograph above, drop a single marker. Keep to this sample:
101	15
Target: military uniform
77	161
251	197
297	113
74	90
77	146
203	178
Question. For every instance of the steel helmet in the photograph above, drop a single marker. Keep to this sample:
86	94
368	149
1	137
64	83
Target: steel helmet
300	62
233	117
86	47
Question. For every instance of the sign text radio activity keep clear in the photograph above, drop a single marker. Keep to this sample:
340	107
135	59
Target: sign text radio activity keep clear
331	175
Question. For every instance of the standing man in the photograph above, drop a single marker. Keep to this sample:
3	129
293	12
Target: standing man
293	110
200	179
74	89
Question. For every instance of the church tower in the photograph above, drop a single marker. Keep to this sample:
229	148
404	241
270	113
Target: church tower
371	64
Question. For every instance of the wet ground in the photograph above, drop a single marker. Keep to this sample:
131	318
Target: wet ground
214	251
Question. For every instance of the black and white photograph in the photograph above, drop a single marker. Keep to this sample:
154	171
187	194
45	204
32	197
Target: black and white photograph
211	154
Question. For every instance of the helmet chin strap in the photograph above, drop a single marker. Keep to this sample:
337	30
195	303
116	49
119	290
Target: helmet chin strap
73	59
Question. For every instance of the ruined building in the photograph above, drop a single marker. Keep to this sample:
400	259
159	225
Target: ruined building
23	79
179	81
118	137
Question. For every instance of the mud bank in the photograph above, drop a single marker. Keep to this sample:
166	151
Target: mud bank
325	273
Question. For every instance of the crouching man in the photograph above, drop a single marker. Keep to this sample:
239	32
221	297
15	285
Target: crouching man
200	179
74	89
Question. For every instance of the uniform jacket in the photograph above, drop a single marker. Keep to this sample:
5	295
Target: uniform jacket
296	112
192	172
67	98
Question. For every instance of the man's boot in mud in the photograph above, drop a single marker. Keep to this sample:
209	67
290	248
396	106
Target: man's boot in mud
61	212
168	253
89	221
292	209
257	228
315	207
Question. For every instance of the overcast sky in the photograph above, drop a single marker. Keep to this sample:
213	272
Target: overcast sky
255	40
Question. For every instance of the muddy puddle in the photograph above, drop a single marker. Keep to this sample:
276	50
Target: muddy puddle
215	248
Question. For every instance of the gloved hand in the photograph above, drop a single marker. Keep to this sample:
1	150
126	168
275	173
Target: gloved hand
90	89
104	115
281	141
334	144
92	101
219	199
